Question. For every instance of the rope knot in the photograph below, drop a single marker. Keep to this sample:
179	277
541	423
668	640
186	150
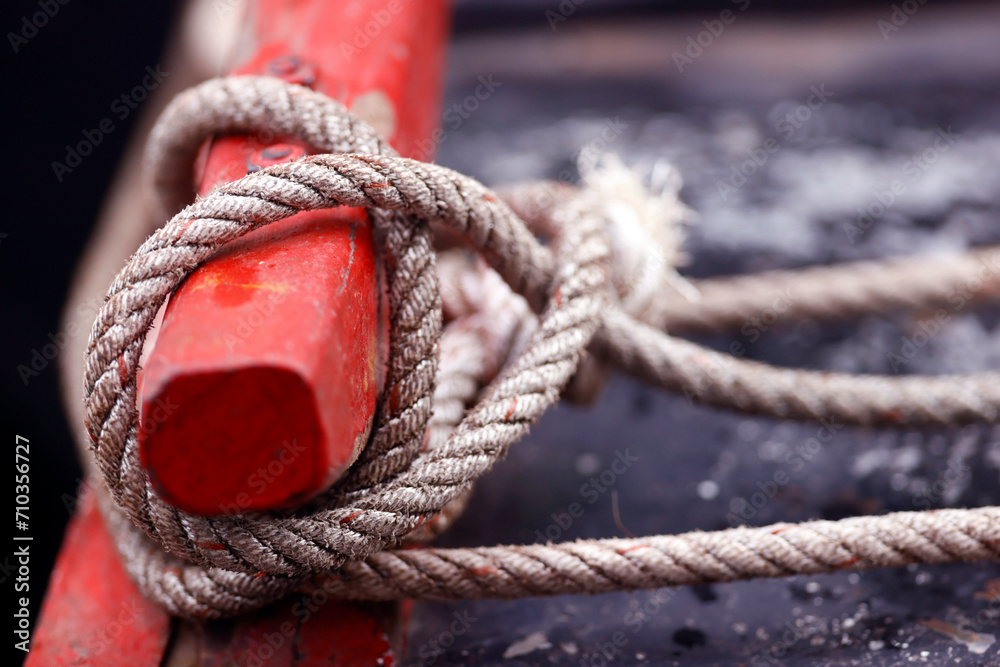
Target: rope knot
645	229
426	448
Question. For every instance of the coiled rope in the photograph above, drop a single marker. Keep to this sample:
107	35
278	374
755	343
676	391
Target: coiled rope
209	567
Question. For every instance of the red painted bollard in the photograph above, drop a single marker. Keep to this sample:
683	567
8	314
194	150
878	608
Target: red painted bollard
272	348
93	614
261	385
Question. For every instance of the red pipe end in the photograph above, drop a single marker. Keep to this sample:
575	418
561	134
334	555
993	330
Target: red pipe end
261	385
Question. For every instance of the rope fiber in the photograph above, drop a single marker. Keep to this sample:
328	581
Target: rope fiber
476	385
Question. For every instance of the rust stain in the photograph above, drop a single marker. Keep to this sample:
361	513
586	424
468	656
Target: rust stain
122	371
622	552
86	425
214	546
394	399
420	522
893	416
184	229
350	517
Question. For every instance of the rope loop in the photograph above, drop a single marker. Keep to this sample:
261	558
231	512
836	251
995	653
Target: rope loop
403	196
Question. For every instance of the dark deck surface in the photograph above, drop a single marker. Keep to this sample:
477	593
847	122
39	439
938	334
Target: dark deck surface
697	465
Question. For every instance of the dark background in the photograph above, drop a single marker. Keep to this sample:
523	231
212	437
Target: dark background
60	83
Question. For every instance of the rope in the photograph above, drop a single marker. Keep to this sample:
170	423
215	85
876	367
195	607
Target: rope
835	292
824	293
605	566
403	484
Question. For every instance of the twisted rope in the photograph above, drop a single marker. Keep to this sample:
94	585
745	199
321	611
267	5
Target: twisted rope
223	565
824	293
834	292
605	566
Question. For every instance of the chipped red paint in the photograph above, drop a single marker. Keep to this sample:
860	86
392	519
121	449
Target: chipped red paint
93	614
269	355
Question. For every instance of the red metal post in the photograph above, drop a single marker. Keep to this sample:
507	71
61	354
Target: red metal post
261	386
93	614
261	381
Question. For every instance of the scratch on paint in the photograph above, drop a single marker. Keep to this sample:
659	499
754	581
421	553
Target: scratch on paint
350	259
213	280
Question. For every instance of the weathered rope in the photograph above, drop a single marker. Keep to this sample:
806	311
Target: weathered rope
604	566
836	292
721	379
215	566
824	293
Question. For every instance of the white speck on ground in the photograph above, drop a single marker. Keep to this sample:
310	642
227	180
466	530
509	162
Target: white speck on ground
529	644
708	490
587	464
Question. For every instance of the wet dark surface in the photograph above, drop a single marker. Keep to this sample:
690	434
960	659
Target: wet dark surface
700	468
